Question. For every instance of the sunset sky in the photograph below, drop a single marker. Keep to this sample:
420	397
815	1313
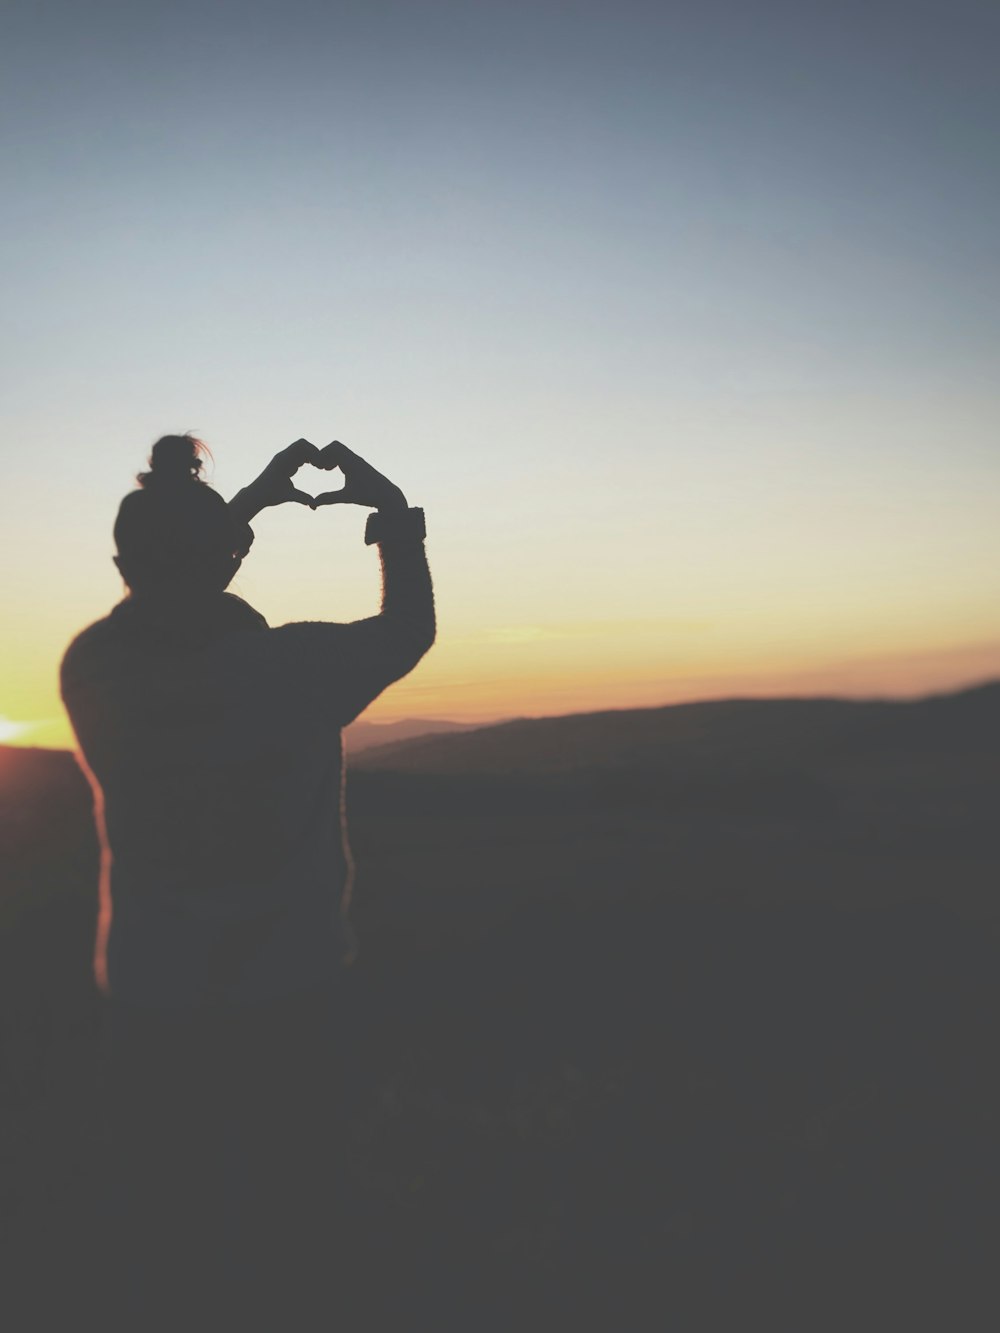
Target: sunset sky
679	319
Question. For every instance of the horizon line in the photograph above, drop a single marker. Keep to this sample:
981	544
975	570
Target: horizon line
766	697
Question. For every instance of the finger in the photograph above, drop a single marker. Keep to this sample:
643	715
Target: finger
346	455
337	454
300	452
291	451
332	455
295	455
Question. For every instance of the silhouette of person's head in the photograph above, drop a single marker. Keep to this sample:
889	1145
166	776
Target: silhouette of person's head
176	536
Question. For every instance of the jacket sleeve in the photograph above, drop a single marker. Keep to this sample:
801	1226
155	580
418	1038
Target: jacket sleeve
355	662
384	648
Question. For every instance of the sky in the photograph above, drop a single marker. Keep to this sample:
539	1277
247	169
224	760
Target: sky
679	320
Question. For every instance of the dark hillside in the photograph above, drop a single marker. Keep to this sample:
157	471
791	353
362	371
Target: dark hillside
737	735
364	735
48	850
747	801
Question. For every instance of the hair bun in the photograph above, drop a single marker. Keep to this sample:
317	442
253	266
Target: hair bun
175	460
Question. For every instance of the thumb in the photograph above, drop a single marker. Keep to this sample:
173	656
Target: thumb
340	497
301	498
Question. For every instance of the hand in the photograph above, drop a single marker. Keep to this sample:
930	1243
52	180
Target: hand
362	484
274	486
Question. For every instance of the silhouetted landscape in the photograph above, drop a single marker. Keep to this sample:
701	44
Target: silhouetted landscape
677	1018
363	735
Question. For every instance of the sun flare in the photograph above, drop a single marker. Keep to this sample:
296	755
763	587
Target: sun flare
9	730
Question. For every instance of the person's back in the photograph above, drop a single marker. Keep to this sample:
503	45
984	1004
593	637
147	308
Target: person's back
213	745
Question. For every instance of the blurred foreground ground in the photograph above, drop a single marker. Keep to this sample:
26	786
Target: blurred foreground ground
631	1049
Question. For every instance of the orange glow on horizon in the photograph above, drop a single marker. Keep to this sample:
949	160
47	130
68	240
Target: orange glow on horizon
475	683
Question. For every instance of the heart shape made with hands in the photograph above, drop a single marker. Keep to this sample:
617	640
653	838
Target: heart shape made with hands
363	485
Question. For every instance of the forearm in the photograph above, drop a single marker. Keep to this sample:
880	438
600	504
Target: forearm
407	611
368	655
247	503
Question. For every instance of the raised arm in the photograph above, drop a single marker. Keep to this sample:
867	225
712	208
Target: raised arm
367	655
377	651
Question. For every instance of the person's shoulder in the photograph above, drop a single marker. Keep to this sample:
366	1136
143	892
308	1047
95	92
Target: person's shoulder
90	640
87	651
305	641
332	635
240	614
310	631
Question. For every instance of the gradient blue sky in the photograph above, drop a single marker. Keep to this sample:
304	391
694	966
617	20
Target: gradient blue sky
680	320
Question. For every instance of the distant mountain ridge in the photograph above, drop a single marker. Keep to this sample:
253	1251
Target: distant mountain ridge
363	735
738	734
735	734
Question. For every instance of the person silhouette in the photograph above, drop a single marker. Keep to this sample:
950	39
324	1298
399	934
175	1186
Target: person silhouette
212	742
